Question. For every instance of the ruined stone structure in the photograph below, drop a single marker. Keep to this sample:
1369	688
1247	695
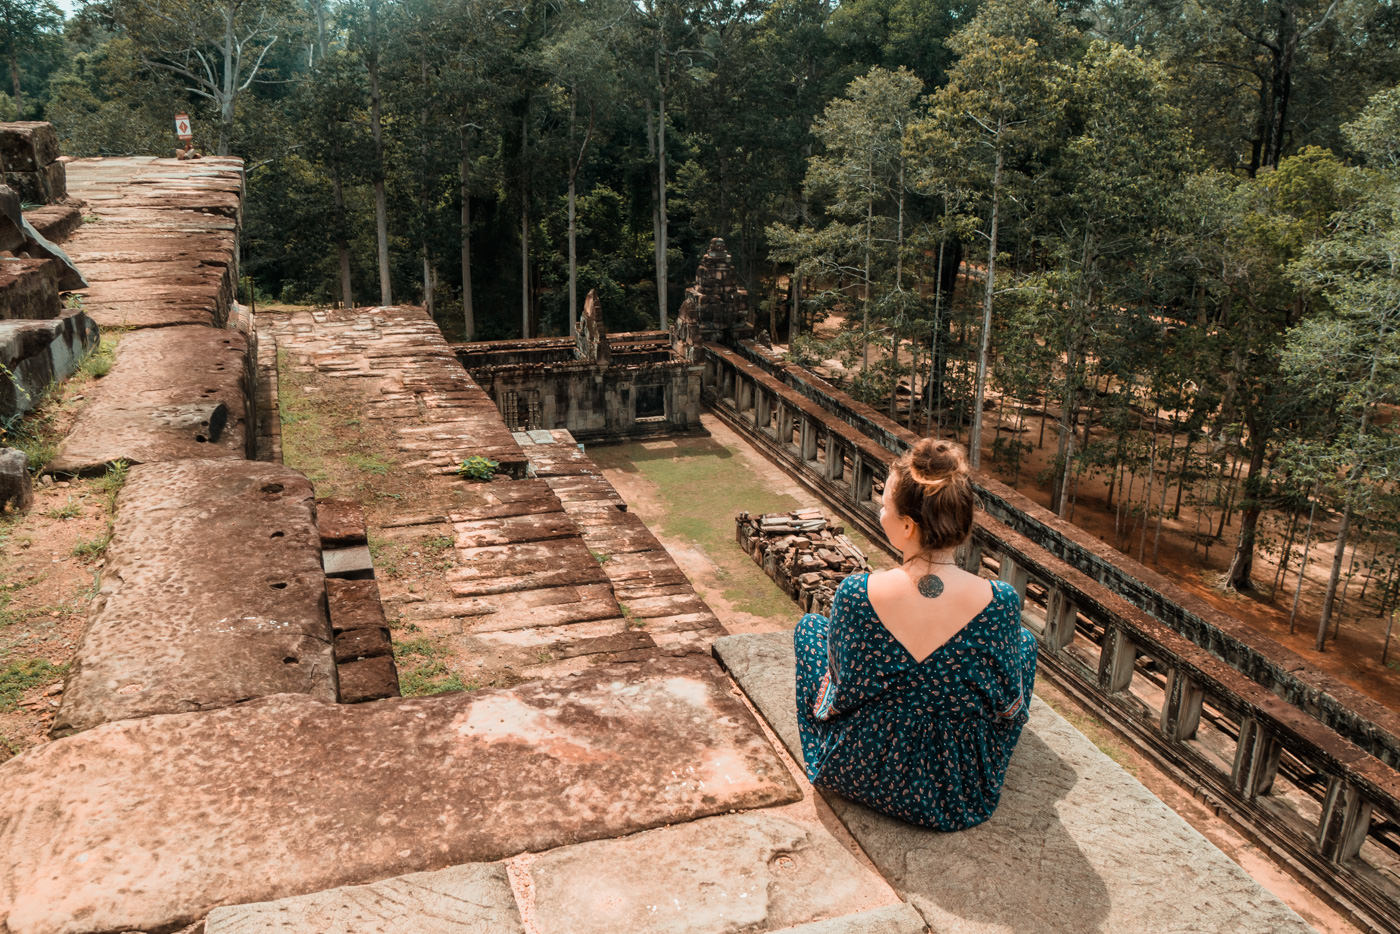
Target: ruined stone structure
716	302
803	552
230	706
1303	761
596	387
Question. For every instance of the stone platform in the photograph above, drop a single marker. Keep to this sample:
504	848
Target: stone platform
192	620
159	244
152	823
1077	844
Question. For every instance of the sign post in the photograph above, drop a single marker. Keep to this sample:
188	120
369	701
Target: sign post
182	128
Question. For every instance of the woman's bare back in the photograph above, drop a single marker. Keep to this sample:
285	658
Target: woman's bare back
923	624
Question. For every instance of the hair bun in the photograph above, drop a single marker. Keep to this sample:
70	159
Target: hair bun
937	462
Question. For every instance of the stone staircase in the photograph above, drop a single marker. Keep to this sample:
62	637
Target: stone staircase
42	339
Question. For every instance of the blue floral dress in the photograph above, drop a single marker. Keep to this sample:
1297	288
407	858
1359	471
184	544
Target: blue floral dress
926	742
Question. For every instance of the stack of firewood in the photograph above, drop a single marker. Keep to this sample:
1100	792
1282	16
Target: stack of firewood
803	552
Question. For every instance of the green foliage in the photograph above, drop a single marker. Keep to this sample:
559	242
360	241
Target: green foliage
25	674
477	468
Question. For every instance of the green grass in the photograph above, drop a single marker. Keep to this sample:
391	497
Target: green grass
370	463
22	675
703	486
99	363
91	549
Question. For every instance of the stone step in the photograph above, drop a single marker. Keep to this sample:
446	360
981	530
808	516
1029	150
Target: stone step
1077	844
212	594
27	145
172	394
28	289
35	354
753	873
55	222
152	823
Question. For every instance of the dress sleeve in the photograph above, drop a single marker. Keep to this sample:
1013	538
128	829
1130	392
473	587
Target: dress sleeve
858	665
1012	673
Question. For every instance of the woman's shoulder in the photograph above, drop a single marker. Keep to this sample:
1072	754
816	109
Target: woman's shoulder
855	585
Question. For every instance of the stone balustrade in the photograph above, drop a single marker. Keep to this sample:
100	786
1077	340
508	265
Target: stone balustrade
1314	782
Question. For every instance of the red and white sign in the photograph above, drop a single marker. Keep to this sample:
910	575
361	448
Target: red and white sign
182	126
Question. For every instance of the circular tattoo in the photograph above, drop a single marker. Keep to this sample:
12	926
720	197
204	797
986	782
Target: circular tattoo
930	585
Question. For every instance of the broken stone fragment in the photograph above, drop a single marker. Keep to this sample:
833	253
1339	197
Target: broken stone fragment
16	488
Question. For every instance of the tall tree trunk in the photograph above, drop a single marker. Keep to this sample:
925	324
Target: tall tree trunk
1330	597
342	245
428	277
524	268
227	91
1242	564
657	144
974	446
14	83
376	124
468	313
1303	562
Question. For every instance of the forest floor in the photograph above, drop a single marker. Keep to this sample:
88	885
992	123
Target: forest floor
1353	657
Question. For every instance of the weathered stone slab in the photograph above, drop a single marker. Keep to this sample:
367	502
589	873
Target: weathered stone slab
892	919
368	679
724	875
27	145
525	566
55	221
341	521
354	604
172	394
35	354
471	899
28	289
16	488
151	823
361	643
1082	845
212	595
354	562
44	186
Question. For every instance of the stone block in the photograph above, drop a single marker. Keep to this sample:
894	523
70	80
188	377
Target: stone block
28	289
16	487
354	562
42	186
736	873
354	604
1089	848
164	386
471	899
28	145
341	521
355	644
36	354
54	222
173	628
368	679
150	824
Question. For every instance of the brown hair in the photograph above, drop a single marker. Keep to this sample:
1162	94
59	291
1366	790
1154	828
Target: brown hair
933	486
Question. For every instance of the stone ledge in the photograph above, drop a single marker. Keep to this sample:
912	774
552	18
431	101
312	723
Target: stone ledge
1078	843
173	627
35	354
172	394
152	823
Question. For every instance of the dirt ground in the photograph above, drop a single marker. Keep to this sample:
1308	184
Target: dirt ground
50	569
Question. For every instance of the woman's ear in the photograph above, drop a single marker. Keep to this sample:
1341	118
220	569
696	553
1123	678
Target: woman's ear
911	528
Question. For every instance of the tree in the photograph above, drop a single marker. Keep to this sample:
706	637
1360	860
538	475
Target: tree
214	48
23	26
860	179
367	40
1347	357
1001	99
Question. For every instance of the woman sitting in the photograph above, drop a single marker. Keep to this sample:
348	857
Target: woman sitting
912	695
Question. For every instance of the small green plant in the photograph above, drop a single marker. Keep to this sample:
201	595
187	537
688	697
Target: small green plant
633	621
112	481
73	301
477	468
98	363
69	510
92	549
602	557
544	655
91	219
24	674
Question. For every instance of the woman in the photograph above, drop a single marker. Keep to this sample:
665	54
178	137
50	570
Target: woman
912	695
